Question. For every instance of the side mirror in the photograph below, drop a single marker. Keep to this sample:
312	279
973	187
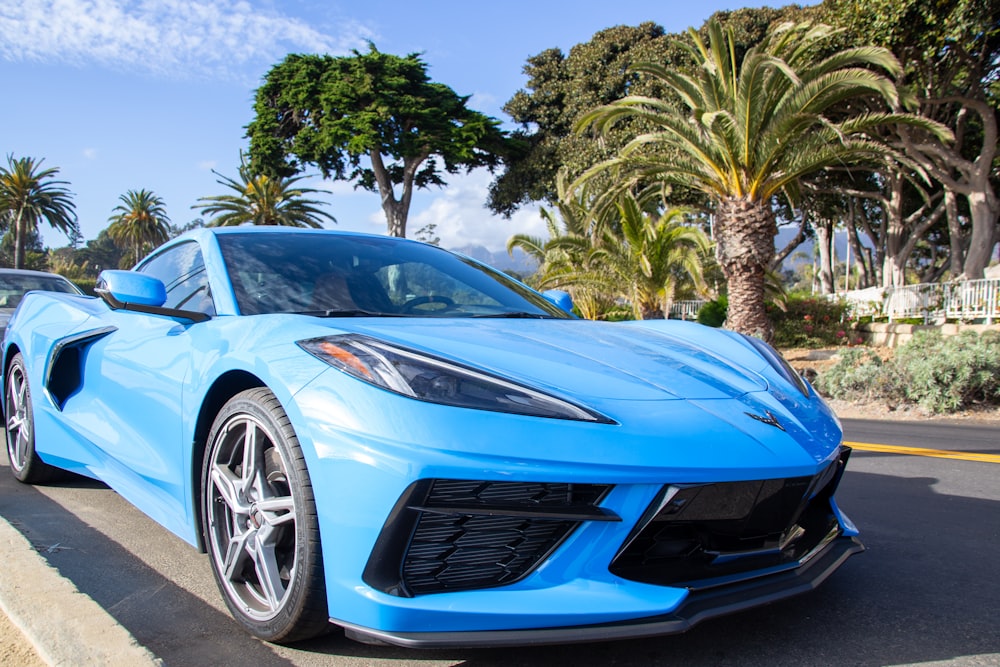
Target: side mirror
129	290
560	298
130	287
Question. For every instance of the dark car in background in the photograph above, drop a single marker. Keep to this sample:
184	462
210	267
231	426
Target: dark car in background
15	283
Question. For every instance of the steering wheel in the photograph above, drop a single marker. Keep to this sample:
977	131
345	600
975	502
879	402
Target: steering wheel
416	302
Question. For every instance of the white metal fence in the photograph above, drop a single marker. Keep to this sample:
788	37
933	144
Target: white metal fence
685	310
966	301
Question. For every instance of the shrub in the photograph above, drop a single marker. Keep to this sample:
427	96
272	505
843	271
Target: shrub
714	313
939	374
87	284
811	322
949	374
861	375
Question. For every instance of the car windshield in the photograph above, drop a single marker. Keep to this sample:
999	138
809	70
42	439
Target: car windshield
14	286
342	275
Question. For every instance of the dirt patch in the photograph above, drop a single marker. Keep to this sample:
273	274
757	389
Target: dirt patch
824	358
15	649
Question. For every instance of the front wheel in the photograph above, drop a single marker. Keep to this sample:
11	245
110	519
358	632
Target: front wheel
261	527
24	461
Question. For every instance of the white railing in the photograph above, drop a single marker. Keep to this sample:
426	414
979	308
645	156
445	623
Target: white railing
965	301
685	310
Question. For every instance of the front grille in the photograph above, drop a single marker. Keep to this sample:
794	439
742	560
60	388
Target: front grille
704	535
449	535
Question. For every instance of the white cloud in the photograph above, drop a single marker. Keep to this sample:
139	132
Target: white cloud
171	38
482	100
462	219
90	153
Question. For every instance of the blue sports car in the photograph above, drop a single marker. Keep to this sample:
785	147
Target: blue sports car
379	434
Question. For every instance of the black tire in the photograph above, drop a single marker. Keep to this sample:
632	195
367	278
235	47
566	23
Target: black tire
25	464
260	522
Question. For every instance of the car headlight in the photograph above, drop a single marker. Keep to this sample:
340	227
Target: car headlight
428	378
779	364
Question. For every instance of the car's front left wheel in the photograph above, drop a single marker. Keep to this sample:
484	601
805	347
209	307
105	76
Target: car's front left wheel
261	526
24	461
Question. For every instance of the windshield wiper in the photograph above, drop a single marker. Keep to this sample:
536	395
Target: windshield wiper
518	315
355	312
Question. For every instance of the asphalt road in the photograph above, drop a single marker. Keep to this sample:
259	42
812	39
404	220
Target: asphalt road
926	591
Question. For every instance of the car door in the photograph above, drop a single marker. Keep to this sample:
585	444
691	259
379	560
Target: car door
131	404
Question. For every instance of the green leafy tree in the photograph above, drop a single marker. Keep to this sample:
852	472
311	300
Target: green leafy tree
373	119
562	87
139	223
263	200
35	257
98	254
746	131
428	234
177	230
30	194
951	52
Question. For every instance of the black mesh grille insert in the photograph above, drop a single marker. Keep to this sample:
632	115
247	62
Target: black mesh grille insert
447	535
450	552
710	534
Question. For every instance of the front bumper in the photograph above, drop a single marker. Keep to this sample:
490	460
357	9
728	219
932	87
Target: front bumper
697	607
406	559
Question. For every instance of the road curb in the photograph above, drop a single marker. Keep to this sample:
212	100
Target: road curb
65	626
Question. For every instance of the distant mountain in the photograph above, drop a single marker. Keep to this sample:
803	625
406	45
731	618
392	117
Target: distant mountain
521	263
524	265
803	254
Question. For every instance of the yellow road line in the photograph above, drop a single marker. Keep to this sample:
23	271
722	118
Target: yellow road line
917	451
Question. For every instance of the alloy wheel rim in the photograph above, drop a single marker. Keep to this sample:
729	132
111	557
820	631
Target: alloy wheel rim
251	517
18	424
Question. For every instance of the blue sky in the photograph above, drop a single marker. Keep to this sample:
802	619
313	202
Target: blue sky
155	94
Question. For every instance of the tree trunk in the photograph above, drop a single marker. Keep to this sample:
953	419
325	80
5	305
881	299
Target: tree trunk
745	233
395	217
824	242
396	210
985	209
864	277
894	274
971	178
651	310
955	240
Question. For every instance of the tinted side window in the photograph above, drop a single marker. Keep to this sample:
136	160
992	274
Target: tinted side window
182	271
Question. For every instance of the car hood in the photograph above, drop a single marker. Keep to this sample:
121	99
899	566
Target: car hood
579	358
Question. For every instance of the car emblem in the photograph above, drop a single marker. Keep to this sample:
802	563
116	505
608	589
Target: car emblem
769	419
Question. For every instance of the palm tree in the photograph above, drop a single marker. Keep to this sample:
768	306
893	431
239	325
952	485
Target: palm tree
139	223
262	200
748	131
29	194
652	256
563	256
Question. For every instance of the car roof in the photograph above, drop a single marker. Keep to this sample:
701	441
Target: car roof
30	272
203	232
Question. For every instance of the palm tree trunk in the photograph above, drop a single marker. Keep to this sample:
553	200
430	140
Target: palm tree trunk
20	235
745	233
651	311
